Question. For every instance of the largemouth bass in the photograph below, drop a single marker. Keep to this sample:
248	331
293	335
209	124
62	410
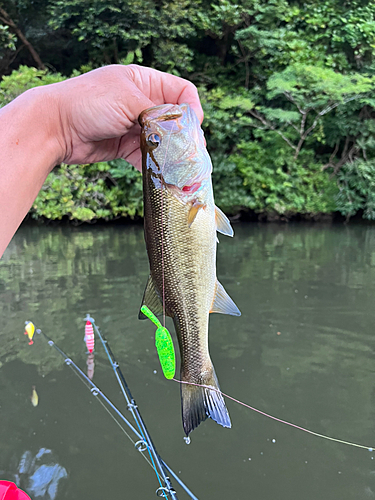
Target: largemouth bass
180	222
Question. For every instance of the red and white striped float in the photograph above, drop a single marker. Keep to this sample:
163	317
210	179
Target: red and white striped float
89	337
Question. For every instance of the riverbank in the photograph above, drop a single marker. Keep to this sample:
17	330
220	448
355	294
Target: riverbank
113	190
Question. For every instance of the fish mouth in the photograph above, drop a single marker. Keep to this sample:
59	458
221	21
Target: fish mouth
162	113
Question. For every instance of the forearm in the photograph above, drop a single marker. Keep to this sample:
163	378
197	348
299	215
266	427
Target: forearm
28	151
87	119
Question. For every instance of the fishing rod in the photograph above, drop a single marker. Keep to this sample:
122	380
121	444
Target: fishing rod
132	406
144	440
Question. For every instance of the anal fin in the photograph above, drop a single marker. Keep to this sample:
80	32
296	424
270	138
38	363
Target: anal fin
222	303
222	223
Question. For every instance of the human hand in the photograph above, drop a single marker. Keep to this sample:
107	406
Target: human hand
99	110
90	118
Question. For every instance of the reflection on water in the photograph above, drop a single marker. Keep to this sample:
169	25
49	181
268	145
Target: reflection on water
39	475
302	350
90	365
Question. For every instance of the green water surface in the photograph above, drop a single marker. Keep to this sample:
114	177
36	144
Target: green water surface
303	350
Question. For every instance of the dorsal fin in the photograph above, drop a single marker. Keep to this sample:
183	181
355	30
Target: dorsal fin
222	223
151	299
222	303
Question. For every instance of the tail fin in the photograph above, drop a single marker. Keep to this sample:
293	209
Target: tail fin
199	403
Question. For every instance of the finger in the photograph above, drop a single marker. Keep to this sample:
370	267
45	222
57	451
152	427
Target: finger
190	95
163	88
129	148
178	91
122	92
138	102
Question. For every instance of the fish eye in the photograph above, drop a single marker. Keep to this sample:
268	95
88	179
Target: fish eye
153	140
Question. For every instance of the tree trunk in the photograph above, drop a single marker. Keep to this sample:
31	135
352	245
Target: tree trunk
4	17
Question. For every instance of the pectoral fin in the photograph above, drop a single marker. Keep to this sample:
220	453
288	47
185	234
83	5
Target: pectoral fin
151	299
222	303
222	223
193	211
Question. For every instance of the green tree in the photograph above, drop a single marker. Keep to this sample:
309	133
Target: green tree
90	192
130	30
10	34
287	88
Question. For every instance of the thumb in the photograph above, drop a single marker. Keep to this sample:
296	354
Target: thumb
135	102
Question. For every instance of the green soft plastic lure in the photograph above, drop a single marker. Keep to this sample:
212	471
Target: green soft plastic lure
164	345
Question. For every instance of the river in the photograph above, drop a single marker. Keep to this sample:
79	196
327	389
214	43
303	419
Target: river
302	351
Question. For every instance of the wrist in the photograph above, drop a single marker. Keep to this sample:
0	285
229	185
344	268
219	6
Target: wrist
29	149
32	127
42	123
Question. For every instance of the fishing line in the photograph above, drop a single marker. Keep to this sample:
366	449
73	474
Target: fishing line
94	388
323	436
162	220
313	433
143	440
131	405
78	375
107	410
124	431
137	416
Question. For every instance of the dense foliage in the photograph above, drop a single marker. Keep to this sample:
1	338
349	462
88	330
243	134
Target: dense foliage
287	88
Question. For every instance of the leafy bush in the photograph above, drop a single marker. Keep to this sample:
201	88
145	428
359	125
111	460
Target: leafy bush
255	168
90	192
23	79
356	181
276	182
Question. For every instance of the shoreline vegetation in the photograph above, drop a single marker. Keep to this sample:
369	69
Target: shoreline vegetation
288	91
